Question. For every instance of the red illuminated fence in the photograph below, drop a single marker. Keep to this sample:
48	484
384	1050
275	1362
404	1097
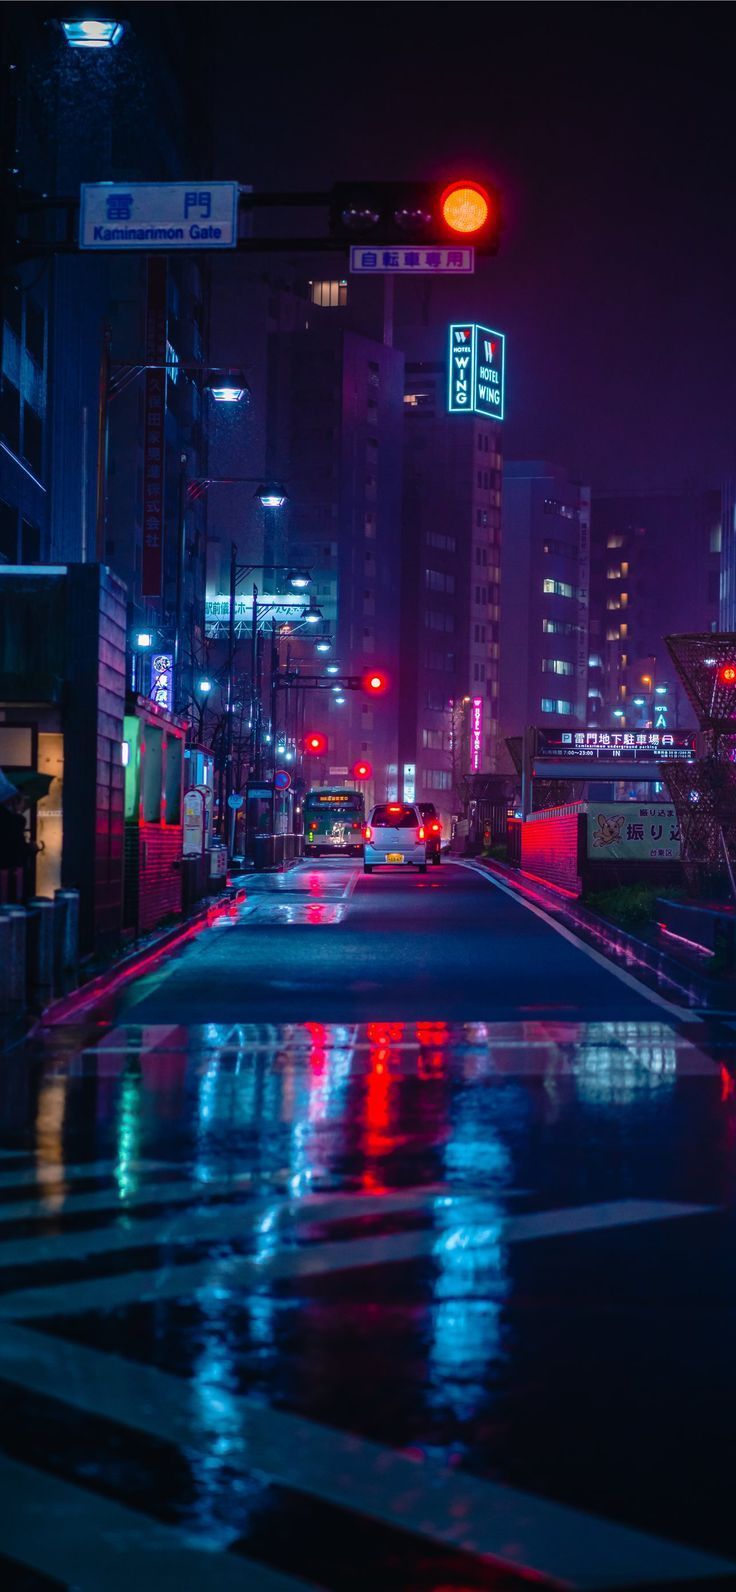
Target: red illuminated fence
570	847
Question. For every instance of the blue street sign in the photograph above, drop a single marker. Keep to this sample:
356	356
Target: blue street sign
158	215
435	259
282	779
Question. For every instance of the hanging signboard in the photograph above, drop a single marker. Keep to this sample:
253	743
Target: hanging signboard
158	215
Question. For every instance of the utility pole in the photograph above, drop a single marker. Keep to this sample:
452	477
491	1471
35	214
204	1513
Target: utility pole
230	691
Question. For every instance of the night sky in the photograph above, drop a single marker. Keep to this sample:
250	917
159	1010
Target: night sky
609	130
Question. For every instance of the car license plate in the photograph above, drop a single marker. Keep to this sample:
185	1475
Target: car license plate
395	856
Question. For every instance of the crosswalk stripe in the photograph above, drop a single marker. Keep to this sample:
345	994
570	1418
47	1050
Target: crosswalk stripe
206	1221
487	1519
78	1172
183	1192
235	1271
65	1531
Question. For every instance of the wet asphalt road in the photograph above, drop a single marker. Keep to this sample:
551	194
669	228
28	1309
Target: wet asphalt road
379	1239
325	942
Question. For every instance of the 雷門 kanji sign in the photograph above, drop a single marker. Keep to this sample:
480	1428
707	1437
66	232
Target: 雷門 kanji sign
476	371
158	215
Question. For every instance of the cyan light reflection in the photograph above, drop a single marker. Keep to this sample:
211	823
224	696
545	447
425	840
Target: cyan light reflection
129	1134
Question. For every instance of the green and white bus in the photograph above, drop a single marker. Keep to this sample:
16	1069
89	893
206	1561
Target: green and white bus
333	822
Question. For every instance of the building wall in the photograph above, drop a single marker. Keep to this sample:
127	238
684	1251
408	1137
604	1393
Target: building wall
450	597
545	565
335	436
655	572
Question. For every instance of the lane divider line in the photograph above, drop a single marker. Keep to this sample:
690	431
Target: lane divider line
680	1012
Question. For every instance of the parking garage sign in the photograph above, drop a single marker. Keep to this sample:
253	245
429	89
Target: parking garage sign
158	215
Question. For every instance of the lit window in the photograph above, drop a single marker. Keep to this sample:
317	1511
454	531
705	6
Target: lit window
557	588
329	295
615	541
557	666
624	568
614	573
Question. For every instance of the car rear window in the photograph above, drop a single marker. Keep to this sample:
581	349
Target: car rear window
428	809
394	818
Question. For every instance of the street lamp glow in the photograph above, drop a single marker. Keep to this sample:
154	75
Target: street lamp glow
227	395
312	614
660	690
323	645
333	668
618	713
143	639
639	702
340	700
297	578
92	33
271	495
204	685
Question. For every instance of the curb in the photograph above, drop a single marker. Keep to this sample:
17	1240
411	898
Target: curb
693	988
128	967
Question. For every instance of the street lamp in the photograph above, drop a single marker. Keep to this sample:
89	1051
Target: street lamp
298	579
640	702
660	690
618	713
227	395
333	668
204	685
312	614
92	33
323	645
271	495
143	639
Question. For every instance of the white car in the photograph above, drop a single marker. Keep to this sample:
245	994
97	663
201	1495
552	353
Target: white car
394	834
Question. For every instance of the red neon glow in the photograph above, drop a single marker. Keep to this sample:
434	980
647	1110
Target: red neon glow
375	681
727	674
465	207
316	742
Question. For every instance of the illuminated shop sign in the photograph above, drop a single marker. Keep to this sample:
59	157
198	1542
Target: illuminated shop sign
476	371
476	734
162	680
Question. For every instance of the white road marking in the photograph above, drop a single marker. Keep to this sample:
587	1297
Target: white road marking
237	1271
62	1530
518	1530
181	1193
225	1222
77	1171
680	1012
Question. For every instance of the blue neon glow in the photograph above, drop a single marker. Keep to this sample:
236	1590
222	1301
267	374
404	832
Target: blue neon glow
227	395
92	34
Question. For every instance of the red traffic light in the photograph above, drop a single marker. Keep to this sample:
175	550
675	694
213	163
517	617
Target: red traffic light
362	770
315	743
375	681
465	207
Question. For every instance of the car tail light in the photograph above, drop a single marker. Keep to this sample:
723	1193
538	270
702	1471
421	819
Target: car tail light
367	832
420	832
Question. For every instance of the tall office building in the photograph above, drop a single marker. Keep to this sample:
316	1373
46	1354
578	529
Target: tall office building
545	593
655	571
450	596
335	437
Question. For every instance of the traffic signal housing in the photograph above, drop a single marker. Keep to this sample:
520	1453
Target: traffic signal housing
462	212
315	743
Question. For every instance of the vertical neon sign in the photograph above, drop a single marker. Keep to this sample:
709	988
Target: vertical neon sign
476	734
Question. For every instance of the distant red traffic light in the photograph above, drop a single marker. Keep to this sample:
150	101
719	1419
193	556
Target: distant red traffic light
375	681
315	743
727	674
362	770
